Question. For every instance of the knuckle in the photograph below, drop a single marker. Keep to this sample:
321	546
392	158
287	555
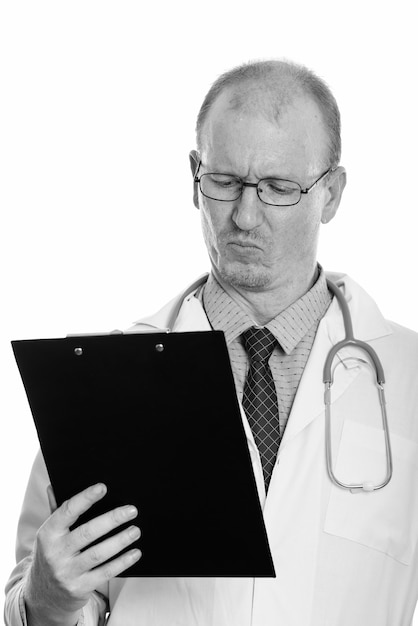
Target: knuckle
117	516
122	514
108	572
123	562
73	588
66	508
94	555
126	538
85	534
61	579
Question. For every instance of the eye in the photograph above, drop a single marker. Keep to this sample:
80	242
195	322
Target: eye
223	181
279	187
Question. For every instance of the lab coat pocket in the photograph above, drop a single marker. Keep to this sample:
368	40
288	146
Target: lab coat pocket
387	519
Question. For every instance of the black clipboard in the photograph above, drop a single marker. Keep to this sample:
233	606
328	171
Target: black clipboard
156	418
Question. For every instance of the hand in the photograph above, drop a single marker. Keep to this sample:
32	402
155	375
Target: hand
61	578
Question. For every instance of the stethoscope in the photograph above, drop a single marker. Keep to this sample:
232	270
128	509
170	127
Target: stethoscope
349	340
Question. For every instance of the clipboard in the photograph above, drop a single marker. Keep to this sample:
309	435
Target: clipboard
156	418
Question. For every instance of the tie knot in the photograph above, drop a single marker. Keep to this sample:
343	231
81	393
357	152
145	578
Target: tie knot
259	343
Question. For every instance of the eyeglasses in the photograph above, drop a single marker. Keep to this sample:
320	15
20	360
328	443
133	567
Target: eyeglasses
272	191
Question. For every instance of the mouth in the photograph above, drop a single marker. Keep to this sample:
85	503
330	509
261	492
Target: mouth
244	246
245	243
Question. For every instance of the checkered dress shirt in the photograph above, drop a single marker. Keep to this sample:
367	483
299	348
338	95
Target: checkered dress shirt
294	329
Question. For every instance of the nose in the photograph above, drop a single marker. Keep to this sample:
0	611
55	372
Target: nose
248	211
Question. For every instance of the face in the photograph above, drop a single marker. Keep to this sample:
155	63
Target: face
252	245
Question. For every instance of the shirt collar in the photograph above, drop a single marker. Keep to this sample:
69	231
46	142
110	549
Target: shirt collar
289	326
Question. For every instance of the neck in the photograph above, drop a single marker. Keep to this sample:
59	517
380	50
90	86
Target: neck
263	306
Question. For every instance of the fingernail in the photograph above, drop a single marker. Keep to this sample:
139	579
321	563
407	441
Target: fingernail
135	554
134	532
130	510
99	488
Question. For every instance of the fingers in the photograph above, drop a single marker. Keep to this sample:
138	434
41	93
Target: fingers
70	510
100	553
67	566
85	534
103	574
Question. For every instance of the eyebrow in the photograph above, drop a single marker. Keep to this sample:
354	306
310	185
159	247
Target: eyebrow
218	170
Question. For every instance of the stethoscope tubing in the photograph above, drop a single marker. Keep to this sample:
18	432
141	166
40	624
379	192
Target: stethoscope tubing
350	341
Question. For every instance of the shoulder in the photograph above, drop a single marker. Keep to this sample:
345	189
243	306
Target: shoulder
369	323
405	341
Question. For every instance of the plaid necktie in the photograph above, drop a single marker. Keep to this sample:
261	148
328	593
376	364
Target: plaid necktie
260	398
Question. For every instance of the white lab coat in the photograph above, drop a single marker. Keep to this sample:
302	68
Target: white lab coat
341	559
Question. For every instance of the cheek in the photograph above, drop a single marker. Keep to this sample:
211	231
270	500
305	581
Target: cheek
206	223
213	222
207	230
298	232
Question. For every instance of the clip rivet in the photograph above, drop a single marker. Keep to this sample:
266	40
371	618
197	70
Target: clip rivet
78	351
159	347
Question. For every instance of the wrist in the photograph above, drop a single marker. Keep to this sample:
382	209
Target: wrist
40	613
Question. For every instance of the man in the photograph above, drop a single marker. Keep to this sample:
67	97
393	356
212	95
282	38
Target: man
266	175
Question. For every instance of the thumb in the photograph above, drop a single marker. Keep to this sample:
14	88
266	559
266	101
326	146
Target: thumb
51	499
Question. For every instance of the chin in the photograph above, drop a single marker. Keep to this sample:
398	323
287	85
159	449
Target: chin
245	276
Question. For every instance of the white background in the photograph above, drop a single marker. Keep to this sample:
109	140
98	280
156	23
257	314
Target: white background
97	110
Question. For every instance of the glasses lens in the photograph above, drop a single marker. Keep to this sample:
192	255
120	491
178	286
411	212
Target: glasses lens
220	186
279	192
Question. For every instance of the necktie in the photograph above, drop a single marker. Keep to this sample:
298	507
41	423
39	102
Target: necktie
260	398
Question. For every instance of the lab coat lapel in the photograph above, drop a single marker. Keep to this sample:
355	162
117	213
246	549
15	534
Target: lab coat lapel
167	318
191	317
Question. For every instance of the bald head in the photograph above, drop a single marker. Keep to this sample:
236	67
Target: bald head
265	94
269	88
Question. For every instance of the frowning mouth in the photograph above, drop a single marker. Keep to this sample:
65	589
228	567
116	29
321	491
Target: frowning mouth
244	245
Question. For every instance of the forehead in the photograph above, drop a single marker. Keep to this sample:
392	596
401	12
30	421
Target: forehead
283	138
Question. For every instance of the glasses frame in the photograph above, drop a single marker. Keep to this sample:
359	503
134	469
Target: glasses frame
305	191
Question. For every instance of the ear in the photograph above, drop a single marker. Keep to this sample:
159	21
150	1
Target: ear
194	164
335	187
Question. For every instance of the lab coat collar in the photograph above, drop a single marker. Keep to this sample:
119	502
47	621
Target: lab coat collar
368	322
181	314
185	313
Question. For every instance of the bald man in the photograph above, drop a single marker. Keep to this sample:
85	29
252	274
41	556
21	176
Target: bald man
266	175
